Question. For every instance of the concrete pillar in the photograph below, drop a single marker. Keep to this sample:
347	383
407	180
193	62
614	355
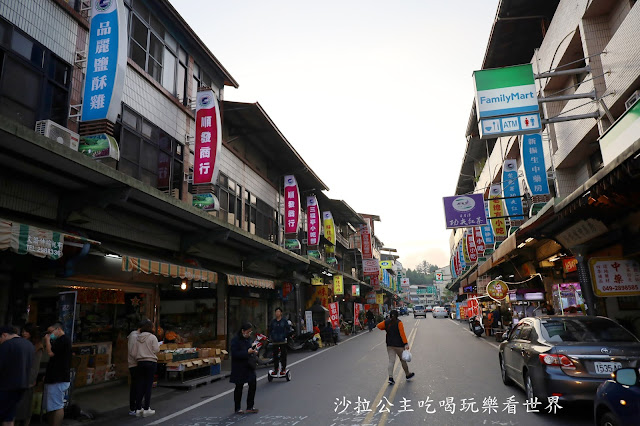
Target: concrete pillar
222	296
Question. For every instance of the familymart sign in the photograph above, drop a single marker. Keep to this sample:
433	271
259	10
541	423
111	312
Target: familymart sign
505	91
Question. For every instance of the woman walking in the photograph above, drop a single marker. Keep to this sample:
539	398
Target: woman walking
241	371
31	332
144	351
396	343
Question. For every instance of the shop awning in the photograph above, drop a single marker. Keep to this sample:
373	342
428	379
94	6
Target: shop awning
485	266
239	280
504	249
165	269
27	239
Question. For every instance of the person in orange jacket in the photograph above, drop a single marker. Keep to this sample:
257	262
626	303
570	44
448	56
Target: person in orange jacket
396	343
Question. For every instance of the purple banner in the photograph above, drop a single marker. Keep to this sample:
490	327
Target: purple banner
462	211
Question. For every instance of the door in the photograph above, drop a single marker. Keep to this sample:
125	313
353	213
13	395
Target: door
509	354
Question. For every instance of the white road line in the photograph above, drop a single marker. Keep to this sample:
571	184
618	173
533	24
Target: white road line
220	395
494	345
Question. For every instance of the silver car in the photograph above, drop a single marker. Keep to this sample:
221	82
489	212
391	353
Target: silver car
439	312
419	311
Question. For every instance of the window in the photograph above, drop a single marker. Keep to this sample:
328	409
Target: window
595	161
149	154
230	197
34	83
595	330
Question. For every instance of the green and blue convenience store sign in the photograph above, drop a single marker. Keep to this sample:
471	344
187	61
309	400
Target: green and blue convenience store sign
505	91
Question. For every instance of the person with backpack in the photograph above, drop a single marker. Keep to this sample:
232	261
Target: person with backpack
396	343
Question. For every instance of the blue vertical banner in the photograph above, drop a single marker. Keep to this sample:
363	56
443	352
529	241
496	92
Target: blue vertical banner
487	233
463	264
106	61
535	170
511	188
453	268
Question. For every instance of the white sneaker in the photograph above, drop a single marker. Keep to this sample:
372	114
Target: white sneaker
139	413
149	412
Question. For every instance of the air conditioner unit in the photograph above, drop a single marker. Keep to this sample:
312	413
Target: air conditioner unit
188	177
58	133
632	99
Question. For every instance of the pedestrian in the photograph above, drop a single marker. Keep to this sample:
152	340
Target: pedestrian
145	352
497	318
370	320
57	378
133	369
241	371
279	329
31	332
396	343
16	358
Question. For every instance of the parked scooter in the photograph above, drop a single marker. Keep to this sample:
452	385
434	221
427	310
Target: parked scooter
264	348
303	341
477	327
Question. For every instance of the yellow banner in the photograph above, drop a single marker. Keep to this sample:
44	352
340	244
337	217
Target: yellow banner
465	248
317	281
338	284
379	299
386	264
496	209
329	227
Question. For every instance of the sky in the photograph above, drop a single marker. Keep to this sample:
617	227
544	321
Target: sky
374	95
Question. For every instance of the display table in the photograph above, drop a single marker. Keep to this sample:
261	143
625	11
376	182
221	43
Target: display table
189	373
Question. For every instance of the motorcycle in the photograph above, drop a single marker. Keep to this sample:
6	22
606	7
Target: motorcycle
477	328
264	348
302	341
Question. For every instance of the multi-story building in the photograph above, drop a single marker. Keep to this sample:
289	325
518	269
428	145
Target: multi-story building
587	71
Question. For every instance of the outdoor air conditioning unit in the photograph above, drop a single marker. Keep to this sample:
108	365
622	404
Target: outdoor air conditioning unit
58	133
632	100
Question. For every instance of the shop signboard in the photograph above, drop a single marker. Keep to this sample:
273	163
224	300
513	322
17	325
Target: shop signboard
614	277
621	135
365	242
206	202
370	267
334	314
313	221
505	91
317	281
487	232
510	125
67	312
308	319
106	61
291	205
102	145
208	141
535	171
511	189
497	290
453	267
458	306
479	241
386	264
465	248
471	247
380	298
461	257
313	253
439	276
355	290
570	264
26	239
405	281
286	289
461	211
329	227
371	297
357	308
338	284
496	209
292	244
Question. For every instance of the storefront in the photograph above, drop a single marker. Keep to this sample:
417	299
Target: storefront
250	300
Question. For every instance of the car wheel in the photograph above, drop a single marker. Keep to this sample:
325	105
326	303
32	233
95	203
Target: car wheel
503	372
529	389
608	419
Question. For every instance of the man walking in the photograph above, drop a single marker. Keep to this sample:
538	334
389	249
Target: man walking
16	357
279	329
370	320
57	377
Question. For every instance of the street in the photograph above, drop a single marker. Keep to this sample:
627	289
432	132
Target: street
457	382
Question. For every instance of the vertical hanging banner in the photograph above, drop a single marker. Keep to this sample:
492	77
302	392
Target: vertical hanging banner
313	222
291	213
465	248
511	188
334	314
471	247
355	290
479	241
357	308
454	269
338	284
463	262
208	138
329	234
535	170
487	232
365	242
496	209
380	298
106	61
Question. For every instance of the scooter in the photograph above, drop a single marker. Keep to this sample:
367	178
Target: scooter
303	341
264	348
477	328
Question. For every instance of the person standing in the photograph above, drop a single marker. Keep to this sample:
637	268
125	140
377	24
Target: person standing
279	329
57	378
16	358
31	332
396	343
133	370
370	320
145	352
241	371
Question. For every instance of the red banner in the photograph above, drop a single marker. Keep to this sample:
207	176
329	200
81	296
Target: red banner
477	236
471	248
208	138
291	205
286	289
357	307
456	263
365	242
334	314
313	221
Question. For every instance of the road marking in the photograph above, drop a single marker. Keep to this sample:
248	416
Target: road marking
397	365
220	395
494	345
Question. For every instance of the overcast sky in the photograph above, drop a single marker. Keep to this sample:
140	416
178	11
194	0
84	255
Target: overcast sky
374	95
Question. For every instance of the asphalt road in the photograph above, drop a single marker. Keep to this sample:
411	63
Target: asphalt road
457	382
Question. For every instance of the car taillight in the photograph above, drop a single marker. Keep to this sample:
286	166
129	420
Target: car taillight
560	360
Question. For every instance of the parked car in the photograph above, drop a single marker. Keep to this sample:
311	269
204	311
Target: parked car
429	308
565	356
618	400
419	311
439	312
402	310
410	310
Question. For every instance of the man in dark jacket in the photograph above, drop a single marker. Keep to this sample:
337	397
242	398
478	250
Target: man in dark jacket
241	371
279	329
370	320
16	357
